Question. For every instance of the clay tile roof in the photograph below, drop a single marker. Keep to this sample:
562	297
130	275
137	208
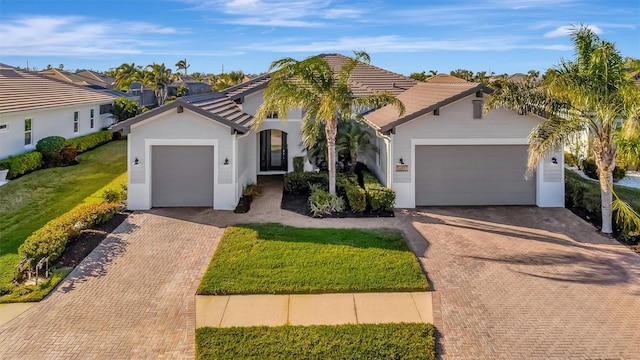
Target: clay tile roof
219	104
421	99
21	90
240	90
445	78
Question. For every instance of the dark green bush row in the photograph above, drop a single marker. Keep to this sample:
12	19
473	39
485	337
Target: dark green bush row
362	341
380	197
298	164
591	170
22	164
90	141
298	182
356	196
52	238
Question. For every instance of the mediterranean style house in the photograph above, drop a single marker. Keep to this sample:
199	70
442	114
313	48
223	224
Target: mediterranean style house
201	150
34	106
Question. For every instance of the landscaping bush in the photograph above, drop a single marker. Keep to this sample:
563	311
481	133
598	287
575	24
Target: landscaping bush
380	197
298	183
321	202
590	169
570	159
88	142
298	164
114	195
52	238
68	155
19	165
50	148
356	196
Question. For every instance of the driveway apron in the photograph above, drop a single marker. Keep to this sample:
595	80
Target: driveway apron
527	283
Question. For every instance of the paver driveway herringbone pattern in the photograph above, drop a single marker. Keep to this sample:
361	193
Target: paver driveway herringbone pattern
527	283
132	298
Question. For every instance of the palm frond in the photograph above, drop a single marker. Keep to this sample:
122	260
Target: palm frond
626	216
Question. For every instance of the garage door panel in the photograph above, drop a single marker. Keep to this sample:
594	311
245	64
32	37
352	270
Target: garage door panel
182	176
473	175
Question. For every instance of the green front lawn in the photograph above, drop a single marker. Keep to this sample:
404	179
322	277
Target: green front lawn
29	202
365	341
278	259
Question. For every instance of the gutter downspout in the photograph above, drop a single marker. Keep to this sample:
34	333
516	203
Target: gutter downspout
387	143
236	167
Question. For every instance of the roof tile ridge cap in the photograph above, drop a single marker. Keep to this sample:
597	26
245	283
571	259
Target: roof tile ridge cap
61	82
248	83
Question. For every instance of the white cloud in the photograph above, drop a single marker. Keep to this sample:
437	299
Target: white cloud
74	35
566	30
392	43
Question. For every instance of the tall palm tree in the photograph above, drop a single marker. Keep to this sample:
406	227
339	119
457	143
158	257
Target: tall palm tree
182	65
124	75
590	94
160	76
324	95
354	140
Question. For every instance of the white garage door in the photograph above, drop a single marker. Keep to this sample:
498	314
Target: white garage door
473	175
181	176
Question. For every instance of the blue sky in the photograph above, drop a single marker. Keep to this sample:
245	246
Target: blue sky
503	36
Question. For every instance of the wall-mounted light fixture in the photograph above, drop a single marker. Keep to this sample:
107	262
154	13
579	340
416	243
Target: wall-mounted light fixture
401	161
554	160
226	161
136	161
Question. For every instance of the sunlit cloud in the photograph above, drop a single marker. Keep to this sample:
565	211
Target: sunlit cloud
567	29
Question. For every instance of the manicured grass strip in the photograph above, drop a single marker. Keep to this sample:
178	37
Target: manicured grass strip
96	197
32	200
278	259
30	293
365	341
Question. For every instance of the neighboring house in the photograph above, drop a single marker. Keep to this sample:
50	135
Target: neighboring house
145	95
193	87
201	151
34	106
83	78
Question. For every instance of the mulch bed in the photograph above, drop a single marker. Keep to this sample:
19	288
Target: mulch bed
300	204
244	205
88	240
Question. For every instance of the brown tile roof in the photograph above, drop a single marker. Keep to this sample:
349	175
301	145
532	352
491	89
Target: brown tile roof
245	88
215	106
444	78
421	99
21	90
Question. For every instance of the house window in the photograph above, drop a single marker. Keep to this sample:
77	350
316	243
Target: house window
76	126
4	128
28	133
477	109
272	115
106	108
92	122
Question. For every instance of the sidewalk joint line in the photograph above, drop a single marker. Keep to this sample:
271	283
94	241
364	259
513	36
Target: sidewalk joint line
224	312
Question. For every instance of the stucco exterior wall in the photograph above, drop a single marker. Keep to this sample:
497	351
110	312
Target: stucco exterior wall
456	126
187	128
48	122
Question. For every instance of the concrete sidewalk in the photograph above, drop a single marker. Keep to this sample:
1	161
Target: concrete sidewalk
315	309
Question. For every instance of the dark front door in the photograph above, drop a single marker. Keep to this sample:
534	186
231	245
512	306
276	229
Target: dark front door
273	150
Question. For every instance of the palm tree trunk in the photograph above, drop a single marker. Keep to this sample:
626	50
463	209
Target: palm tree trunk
331	131
606	197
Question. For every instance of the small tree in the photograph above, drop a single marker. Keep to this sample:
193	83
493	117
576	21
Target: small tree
353	140
124	109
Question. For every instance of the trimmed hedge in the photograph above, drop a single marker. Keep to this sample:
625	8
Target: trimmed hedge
350	341
356	196
298	182
380	197
52	238
298	164
19	165
88	142
50	148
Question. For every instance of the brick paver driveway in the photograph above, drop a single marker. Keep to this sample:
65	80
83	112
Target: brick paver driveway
527	283
131	298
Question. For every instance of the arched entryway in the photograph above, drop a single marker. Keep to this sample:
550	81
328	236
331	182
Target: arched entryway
273	150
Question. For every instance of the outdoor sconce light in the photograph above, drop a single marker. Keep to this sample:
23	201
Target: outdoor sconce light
136	161
554	160
402	161
226	161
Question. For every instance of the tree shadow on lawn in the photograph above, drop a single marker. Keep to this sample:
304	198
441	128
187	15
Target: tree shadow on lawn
382	238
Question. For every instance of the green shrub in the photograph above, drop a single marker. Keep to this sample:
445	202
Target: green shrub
356	196
251	189
88	142
380	197
298	183
321	202
590	169
68	155
52	238
114	196
19	165
50	148
298	164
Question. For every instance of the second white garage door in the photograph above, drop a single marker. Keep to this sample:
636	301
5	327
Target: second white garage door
473	175
182	176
